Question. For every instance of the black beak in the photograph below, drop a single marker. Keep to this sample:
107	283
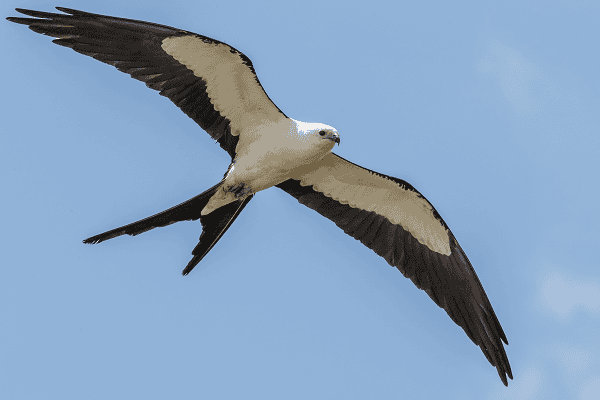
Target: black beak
337	140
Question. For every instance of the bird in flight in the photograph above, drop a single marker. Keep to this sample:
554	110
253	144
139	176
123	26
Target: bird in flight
216	86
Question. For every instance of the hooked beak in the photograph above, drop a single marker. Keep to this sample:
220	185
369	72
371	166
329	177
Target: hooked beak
336	138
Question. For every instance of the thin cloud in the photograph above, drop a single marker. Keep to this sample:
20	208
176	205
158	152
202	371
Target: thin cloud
577	362
591	390
544	108
561	294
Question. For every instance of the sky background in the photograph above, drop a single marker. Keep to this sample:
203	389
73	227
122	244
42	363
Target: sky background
491	110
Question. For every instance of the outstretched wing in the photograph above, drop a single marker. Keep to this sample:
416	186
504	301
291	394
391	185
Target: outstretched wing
394	220
210	81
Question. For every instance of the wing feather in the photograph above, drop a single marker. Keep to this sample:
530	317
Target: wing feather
210	81
393	219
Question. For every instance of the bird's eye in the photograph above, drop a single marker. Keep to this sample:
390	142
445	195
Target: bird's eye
322	133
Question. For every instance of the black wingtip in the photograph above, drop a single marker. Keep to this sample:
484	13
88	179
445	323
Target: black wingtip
19	20
71	11
503	376
35	13
503	372
43	14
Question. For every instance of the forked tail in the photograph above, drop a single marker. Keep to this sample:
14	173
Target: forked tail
214	225
187	211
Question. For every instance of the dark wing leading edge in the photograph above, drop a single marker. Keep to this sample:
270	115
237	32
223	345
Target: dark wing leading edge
210	81
394	220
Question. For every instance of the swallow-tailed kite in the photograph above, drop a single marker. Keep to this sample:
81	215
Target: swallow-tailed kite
216	86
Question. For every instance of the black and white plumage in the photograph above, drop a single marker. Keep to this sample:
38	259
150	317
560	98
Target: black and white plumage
216	86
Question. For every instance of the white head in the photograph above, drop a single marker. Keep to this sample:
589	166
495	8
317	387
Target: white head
317	134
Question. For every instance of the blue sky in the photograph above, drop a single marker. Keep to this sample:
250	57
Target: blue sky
490	110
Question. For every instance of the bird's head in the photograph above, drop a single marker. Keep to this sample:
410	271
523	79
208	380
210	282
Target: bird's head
318	135
315	140
326	132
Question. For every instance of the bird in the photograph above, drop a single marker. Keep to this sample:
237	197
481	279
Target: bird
216	86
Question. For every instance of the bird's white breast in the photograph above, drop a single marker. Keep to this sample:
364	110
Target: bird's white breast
267	154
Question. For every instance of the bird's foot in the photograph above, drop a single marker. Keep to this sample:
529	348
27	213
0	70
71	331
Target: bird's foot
239	190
